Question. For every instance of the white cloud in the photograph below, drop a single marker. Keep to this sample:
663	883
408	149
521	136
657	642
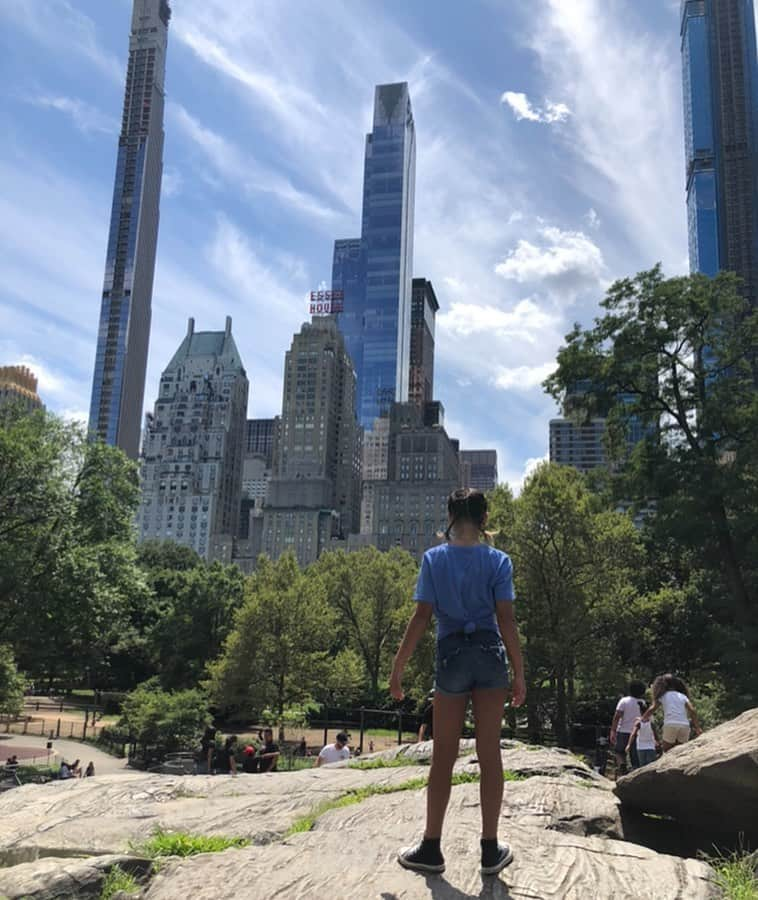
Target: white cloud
522	378
172	182
86	118
523	109
592	219
526	321
568	256
623	85
231	164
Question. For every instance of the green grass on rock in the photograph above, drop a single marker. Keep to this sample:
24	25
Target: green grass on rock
737	875
166	843
118	880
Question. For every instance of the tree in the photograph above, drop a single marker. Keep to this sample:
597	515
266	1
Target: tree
173	721
679	356
11	684
371	595
572	559
276	654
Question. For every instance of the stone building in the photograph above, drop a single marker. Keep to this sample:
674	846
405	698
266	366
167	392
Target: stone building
18	384
192	452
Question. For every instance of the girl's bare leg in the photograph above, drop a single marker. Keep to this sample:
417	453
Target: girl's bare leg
488	718
449	713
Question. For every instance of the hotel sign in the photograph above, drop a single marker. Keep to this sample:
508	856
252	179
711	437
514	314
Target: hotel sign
327	303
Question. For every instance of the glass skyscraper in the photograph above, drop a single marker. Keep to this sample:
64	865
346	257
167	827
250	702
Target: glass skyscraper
121	361
375	270
720	76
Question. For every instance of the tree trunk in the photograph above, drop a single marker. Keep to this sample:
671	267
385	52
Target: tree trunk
744	604
561	712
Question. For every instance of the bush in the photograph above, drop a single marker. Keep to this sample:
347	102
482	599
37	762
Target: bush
11	684
171	720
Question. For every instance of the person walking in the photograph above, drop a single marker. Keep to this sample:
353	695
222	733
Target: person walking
627	713
670	693
467	585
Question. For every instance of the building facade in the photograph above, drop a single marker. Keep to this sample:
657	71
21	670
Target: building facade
192	455
313	496
424	310
18	385
720	78
578	445
260	438
409	508
374	271
479	469
122	343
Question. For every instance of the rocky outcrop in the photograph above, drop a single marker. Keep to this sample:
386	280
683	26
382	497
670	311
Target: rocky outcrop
710	782
60	879
559	816
351	853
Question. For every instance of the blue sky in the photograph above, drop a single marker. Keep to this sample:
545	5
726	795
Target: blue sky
549	161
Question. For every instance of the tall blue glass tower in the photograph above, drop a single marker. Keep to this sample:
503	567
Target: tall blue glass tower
720	76
121	360
375	270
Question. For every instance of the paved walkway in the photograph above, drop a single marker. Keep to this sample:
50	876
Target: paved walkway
68	750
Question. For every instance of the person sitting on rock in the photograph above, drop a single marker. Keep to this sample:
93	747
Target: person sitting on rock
269	752
249	760
65	771
627	713
670	693
90	770
335	752
467	585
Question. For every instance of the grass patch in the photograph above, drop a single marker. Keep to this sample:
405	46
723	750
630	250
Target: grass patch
118	880
358	795
179	843
736	875
398	762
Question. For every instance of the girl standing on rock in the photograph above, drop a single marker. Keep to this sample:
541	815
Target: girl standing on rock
468	586
670	693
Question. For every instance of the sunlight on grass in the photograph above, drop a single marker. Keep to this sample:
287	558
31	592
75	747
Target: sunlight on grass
164	843
737	875
118	880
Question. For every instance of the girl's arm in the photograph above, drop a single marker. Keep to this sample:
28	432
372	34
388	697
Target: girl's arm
693	718
506	619
648	714
413	633
633	735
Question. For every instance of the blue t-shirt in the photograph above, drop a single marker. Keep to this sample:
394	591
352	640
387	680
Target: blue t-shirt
463	584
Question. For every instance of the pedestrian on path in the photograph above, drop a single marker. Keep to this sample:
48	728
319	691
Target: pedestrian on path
467	585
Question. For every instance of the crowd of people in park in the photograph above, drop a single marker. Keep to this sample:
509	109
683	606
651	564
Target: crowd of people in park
74	770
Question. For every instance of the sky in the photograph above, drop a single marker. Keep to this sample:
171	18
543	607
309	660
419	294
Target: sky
549	162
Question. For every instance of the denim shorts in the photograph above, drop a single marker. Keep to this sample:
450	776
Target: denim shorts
470	662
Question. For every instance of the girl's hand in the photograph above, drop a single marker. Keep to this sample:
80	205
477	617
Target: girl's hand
396	688
518	691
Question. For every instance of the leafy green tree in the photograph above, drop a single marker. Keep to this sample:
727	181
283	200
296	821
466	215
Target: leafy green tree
371	595
171	720
572	560
678	355
11	684
276	655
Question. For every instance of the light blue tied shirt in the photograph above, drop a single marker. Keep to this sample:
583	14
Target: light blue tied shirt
463	584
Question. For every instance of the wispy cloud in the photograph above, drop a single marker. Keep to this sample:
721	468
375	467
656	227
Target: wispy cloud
523	109
88	119
522	378
59	26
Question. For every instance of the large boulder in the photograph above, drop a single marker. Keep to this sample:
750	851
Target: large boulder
711	782
351	853
65	879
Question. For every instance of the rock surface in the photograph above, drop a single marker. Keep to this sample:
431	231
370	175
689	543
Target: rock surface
559	819
51	878
351	853
705	780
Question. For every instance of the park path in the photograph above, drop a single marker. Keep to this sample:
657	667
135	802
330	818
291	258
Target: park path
62	749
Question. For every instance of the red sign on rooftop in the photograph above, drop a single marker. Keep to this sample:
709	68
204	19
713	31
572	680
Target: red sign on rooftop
327	303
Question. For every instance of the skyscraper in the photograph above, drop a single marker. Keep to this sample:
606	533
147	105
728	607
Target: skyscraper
720	75
121	360
423	313
192	455
314	492
479	469
374	272
18	385
578	444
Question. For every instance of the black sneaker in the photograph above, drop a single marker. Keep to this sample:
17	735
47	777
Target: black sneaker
426	856
495	857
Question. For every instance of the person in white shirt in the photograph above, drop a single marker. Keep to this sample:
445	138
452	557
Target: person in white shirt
645	738
335	752
628	710
670	694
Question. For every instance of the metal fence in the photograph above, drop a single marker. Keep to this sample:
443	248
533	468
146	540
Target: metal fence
51	728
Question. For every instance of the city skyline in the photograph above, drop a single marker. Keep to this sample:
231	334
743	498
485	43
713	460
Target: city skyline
518	236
